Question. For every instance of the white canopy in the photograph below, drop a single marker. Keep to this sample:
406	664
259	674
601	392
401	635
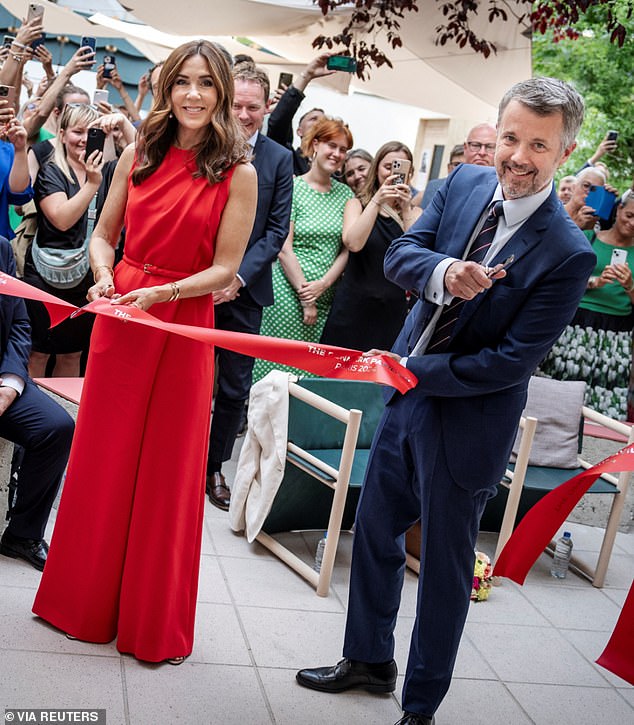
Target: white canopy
444	79
59	20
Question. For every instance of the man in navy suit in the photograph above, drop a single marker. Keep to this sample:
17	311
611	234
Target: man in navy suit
441	448
32	421
239	306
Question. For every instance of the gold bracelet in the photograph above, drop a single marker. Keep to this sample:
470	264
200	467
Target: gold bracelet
176	290
103	266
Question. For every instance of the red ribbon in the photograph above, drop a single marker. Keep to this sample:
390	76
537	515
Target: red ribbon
536	530
618	656
324	360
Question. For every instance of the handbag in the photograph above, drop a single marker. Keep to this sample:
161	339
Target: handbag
64	268
61	268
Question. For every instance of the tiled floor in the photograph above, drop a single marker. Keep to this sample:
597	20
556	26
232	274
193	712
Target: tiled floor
527	655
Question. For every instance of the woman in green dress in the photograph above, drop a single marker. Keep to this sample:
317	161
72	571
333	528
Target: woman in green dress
313	257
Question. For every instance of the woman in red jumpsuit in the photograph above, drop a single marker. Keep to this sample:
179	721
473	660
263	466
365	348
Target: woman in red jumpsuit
125	552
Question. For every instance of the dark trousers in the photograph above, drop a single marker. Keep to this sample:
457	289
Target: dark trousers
233	377
45	431
407	479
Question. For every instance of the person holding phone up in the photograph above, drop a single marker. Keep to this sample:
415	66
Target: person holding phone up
20	52
367	310
57	262
114	79
597	345
15	184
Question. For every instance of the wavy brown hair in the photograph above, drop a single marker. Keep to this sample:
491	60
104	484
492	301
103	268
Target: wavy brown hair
372	180
223	145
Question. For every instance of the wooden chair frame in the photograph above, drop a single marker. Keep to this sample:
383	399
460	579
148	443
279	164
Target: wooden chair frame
339	484
517	479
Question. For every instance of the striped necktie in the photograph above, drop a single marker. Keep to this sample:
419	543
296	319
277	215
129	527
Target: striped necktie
441	336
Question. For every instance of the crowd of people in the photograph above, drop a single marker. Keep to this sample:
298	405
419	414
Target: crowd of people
206	213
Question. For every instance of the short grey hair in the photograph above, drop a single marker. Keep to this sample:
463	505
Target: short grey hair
545	97
587	170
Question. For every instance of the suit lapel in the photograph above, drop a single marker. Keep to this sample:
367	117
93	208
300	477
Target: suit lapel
527	236
469	214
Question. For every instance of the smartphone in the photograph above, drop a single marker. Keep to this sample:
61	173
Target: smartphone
342	62
39	41
87	41
285	80
100	96
95	141
619	256
8	39
35	11
7	93
109	64
401	167
601	201
612	135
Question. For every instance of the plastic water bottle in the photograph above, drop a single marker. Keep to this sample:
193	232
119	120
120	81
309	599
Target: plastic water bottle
561	559
319	553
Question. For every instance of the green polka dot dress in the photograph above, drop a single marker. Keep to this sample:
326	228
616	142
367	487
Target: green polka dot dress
318	220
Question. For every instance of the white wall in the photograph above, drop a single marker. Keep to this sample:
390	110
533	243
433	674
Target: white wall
372	120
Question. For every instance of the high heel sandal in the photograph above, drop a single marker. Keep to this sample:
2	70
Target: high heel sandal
176	660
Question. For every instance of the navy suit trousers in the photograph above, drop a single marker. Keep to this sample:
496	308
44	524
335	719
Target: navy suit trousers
45	431
407	479
233	376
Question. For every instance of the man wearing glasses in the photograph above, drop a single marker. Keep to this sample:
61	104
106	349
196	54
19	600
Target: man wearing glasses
480	145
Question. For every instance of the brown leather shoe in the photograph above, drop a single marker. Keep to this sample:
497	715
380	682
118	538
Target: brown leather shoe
218	491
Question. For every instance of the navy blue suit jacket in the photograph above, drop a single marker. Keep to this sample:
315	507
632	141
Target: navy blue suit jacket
15	330
479	386
274	166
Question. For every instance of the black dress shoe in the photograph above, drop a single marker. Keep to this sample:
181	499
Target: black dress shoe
348	674
34	551
413	718
218	491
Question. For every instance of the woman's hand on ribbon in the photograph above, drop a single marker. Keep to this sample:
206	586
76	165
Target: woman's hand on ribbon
144	297
103	288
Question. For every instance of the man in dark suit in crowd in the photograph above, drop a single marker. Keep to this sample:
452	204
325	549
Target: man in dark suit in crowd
239	306
280	125
33	421
499	269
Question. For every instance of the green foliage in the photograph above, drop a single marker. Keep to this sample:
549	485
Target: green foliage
603	73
